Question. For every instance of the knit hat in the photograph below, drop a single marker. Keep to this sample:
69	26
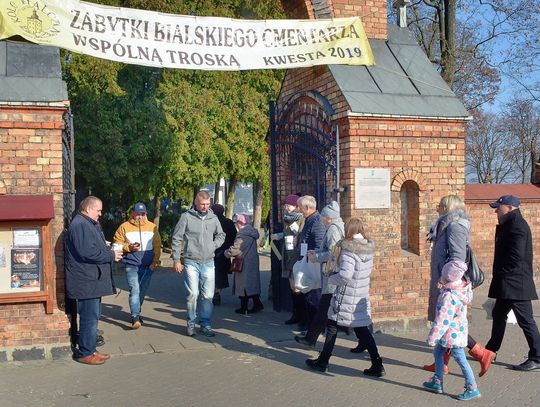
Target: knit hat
331	211
242	219
291	200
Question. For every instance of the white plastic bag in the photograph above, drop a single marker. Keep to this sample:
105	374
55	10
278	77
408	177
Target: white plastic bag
306	275
511	318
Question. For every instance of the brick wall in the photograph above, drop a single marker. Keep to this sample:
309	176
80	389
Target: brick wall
484	221
428	153
31	163
372	12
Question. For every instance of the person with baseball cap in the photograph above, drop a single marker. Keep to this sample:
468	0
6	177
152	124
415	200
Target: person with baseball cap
512	284
141	245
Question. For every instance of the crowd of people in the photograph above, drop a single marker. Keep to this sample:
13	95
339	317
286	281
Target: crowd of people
204	241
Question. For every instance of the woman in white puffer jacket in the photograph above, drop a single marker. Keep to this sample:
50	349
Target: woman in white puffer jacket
350	306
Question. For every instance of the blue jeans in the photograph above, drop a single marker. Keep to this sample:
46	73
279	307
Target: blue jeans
460	358
138	279
89	313
199	280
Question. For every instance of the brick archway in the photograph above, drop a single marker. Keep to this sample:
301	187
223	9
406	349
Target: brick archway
408	175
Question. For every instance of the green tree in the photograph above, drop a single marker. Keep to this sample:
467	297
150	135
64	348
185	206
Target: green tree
144	132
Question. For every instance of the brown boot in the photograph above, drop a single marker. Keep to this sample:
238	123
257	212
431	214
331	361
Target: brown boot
484	356
431	368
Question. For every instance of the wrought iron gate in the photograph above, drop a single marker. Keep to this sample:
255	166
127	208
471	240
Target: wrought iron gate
68	186
304	160
68	169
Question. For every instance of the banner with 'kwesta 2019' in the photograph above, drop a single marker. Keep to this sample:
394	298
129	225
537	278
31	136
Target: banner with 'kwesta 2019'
156	39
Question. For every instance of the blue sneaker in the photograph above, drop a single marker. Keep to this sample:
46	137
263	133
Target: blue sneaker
207	331
434	385
468	395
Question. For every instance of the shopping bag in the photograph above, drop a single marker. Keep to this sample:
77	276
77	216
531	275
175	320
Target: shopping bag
511	318
306	275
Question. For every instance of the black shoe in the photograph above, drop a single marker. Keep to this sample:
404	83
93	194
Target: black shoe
141	320
242	311
376	369
304	342
527	366
100	341
316	364
255	309
303	327
292	320
359	349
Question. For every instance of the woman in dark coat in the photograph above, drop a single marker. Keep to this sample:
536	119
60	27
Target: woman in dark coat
247	283
221	263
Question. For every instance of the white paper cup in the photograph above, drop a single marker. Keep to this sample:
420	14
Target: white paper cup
117	247
289	242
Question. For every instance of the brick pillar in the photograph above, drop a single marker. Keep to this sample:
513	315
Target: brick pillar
31	164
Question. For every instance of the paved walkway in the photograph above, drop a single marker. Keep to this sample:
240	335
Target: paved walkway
253	361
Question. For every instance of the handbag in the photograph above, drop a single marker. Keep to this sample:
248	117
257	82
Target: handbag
474	273
236	264
238	261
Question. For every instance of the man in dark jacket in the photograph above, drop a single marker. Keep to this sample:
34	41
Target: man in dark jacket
88	262
221	263
512	285
310	238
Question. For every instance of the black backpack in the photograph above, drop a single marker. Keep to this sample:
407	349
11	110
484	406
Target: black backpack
474	273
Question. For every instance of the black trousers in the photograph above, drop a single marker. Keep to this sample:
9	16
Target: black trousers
362	333
318	323
525	320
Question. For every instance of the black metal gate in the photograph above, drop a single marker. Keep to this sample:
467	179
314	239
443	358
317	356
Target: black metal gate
68	169
68	186
304	157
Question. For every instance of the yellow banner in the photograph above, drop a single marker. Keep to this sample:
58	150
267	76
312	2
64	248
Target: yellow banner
150	38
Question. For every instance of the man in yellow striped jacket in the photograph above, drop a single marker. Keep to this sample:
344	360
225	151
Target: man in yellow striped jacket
141	245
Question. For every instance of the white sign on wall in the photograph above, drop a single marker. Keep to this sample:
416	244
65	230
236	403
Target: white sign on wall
372	188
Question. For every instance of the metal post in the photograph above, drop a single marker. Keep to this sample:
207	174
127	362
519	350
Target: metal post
338	181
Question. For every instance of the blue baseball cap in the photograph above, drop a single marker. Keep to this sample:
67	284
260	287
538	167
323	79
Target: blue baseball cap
139	208
506	200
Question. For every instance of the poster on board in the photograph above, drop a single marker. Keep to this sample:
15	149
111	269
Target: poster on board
26	269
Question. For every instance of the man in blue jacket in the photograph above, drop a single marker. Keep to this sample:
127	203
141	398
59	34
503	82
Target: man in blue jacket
88	262
196	237
310	238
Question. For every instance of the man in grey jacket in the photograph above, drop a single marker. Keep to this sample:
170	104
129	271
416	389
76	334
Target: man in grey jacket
196	236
